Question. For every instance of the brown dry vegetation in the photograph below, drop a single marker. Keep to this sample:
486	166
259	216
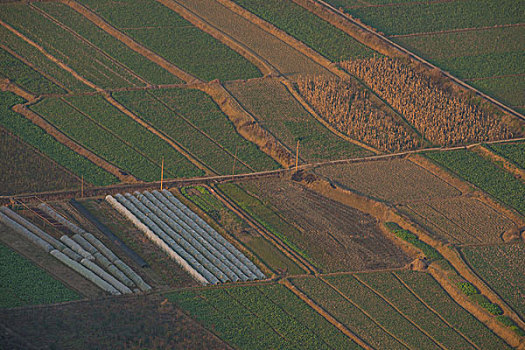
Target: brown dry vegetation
338	237
134	322
440	116
395	180
348	108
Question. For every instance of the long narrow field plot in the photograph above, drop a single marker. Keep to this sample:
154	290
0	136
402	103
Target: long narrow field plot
23	283
261	317
186	238
69	48
460	220
115	136
169	35
45	143
321	36
145	322
191	118
470	39
237	227
25	170
278	112
485	175
334	236
396	180
514	151
500	267
389	310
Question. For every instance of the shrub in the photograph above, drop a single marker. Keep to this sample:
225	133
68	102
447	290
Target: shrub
482	301
467	288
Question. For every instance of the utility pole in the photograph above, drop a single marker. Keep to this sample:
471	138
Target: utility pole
161	172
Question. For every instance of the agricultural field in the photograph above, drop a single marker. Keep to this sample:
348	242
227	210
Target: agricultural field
239	229
278	112
460	220
26	170
396	180
115	136
513	151
321	36
392	310
194	51
499	267
485	175
23	283
134	322
46	144
334	236
261	317
477	41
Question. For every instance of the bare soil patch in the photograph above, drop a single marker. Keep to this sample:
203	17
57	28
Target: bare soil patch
111	323
337	237
394	180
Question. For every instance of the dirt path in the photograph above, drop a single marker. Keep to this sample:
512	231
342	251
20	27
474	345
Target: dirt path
460	30
501	161
132	44
325	314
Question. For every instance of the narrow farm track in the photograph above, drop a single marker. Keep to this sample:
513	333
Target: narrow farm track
460	30
345	22
435	312
325	314
132	44
344	296
277	242
412	322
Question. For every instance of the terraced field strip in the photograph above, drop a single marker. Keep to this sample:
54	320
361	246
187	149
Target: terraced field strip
428	289
202	55
514	152
262	317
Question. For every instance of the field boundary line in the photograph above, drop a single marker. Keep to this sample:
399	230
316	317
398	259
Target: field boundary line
272	238
381	296
129	42
34	67
289	86
262	64
157	133
311	303
459	30
435	311
324	10
93	46
50	57
191	124
497	159
73	145
345	297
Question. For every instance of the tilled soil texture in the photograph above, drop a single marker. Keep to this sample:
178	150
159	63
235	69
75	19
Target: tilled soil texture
460	220
117	323
334	236
284	58
396	180
25	170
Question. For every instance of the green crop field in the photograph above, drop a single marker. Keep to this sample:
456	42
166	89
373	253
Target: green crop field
278	112
169	35
115	137
262	317
23	283
430	17
508	90
24	76
430	292
321	36
45	143
500	267
40	62
129	59
485	175
66	47
514	151
258	245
